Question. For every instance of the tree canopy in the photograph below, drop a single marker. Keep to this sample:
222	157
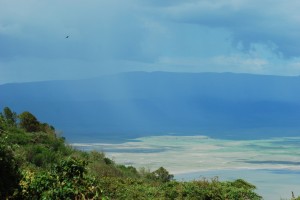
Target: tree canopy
29	122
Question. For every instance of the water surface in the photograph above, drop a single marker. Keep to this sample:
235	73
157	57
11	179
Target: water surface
273	165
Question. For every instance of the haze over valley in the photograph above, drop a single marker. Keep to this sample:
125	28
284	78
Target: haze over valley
136	104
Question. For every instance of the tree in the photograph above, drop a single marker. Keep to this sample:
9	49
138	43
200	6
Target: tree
29	122
9	171
2	123
161	174
47	128
10	116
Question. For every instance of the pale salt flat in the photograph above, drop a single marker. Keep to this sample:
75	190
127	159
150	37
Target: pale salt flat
273	165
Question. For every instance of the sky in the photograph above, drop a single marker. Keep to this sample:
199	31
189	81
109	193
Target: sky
112	36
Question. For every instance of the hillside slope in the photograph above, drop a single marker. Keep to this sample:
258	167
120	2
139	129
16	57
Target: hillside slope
35	163
137	104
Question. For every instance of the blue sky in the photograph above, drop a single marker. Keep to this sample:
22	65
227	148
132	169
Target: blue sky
110	36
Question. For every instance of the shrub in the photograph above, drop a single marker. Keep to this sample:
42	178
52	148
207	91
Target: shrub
162	175
9	170
67	180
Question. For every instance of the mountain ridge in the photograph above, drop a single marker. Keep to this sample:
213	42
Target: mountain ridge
141	103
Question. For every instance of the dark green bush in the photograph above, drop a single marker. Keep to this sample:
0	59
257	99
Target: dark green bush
162	175
67	180
40	155
9	170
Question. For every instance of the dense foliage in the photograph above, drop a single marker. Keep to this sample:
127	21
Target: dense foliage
37	164
9	171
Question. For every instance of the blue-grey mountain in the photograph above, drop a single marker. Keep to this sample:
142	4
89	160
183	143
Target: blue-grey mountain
135	104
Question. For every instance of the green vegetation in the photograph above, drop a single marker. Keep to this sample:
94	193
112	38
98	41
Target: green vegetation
37	164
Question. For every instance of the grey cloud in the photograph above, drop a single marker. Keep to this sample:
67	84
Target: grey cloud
249	21
147	35
97	29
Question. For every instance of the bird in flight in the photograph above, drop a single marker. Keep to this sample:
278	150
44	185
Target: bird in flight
67	36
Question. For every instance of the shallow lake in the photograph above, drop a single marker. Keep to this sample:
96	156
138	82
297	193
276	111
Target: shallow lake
273	164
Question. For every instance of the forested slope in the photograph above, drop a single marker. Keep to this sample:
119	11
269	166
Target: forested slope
36	163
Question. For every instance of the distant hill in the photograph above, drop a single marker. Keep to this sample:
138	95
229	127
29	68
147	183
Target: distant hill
138	103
